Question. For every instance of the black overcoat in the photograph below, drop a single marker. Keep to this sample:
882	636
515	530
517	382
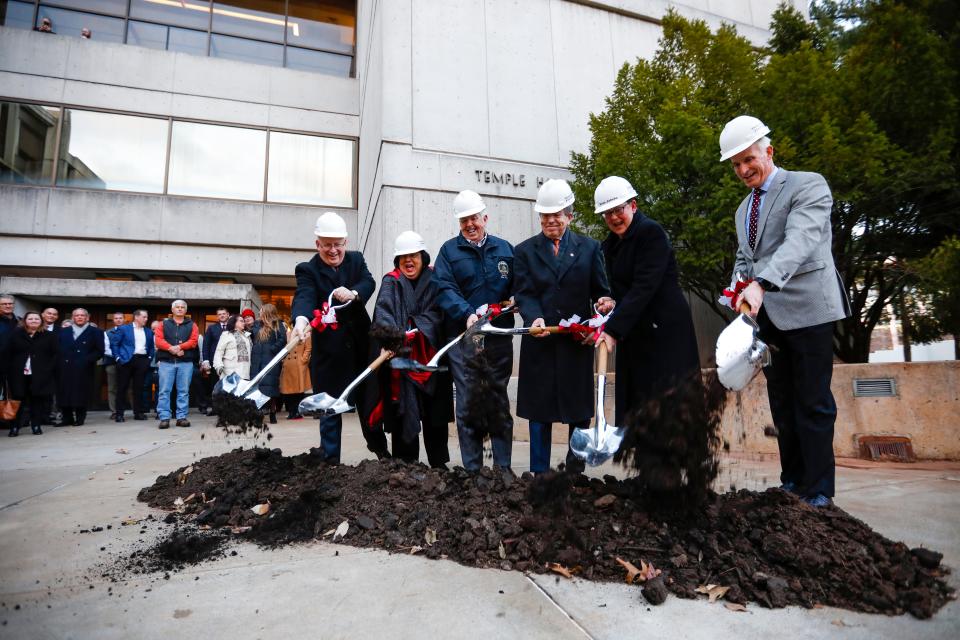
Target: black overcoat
556	373
339	355
78	359
43	350
403	305
656	344
262	352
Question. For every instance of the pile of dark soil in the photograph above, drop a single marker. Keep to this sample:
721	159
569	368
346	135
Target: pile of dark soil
185	545
770	548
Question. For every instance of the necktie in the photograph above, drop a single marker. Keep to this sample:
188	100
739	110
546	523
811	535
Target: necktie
754	217
556	246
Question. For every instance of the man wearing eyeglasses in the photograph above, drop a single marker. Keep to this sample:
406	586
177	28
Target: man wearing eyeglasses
338	352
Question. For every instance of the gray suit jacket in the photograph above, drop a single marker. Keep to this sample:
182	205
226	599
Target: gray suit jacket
793	252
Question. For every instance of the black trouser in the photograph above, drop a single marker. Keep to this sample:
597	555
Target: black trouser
33	408
207	383
434	437
802	404
136	370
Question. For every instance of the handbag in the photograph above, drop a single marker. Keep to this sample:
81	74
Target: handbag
8	407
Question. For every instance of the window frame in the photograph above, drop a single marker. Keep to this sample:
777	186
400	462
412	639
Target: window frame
52	182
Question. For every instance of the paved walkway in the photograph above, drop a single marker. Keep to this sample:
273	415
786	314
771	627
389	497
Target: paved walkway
54	485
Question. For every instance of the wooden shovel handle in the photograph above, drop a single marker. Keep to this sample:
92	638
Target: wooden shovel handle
602	359
745	307
383	357
535	331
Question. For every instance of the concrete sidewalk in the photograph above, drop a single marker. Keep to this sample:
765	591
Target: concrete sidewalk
69	479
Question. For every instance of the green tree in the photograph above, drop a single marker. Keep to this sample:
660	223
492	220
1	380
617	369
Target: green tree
866	95
938	294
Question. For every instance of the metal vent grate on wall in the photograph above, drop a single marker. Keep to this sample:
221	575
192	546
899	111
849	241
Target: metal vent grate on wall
874	387
887	448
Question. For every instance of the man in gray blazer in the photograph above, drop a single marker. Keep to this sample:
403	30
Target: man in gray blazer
796	294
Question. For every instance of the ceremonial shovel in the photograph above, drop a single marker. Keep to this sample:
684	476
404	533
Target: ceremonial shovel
597	445
323	404
234	385
740	353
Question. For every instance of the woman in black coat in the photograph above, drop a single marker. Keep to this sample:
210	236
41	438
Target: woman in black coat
34	358
651	325
408	403
269	337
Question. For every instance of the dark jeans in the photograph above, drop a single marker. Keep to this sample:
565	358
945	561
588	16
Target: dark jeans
499	352
330	429
136	370
33	408
540	442
802	404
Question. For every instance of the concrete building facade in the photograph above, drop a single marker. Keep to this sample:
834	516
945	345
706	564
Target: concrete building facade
407	103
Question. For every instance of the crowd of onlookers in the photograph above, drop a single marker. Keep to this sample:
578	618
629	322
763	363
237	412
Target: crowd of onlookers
50	367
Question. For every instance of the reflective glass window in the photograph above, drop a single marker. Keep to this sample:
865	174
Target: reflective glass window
112	151
18	15
330	24
113	7
310	170
319	62
246	50
260	19
158	36
27	142
216	161
186	13
69	23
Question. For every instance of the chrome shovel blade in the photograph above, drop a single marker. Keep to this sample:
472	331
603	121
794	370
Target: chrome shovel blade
740	353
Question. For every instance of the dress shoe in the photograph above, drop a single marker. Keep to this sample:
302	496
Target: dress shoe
37	431
789	487
164	424
273	418
78	423
120	418
183	422
139	416
14	432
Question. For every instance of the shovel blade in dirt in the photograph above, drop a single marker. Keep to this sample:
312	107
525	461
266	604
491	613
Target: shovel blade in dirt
740	352
323	404
409	364
597	444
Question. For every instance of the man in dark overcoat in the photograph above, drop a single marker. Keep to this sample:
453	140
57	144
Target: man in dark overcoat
652	325
81	347
338	352
557	274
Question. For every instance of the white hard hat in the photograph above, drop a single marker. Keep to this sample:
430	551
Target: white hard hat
554	195
330	225
612	192
408	242
740	133
467	203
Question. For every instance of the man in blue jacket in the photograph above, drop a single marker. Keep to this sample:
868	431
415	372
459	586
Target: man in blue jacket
474	269
132	347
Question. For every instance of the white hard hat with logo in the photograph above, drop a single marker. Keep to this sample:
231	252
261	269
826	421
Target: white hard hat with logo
467	203
740	133
554	195
612	192
330	225
408	242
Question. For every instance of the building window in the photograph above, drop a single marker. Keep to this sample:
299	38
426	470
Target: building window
310	170
310	35
123	152
28	135
112	151
217	162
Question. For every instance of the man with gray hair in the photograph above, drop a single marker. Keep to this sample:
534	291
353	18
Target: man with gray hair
795	293
81	347
8	322
176	343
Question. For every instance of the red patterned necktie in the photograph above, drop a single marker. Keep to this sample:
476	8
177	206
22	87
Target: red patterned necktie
556	246
754	217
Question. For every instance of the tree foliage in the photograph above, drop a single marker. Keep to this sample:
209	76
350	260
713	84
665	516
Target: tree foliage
865	94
